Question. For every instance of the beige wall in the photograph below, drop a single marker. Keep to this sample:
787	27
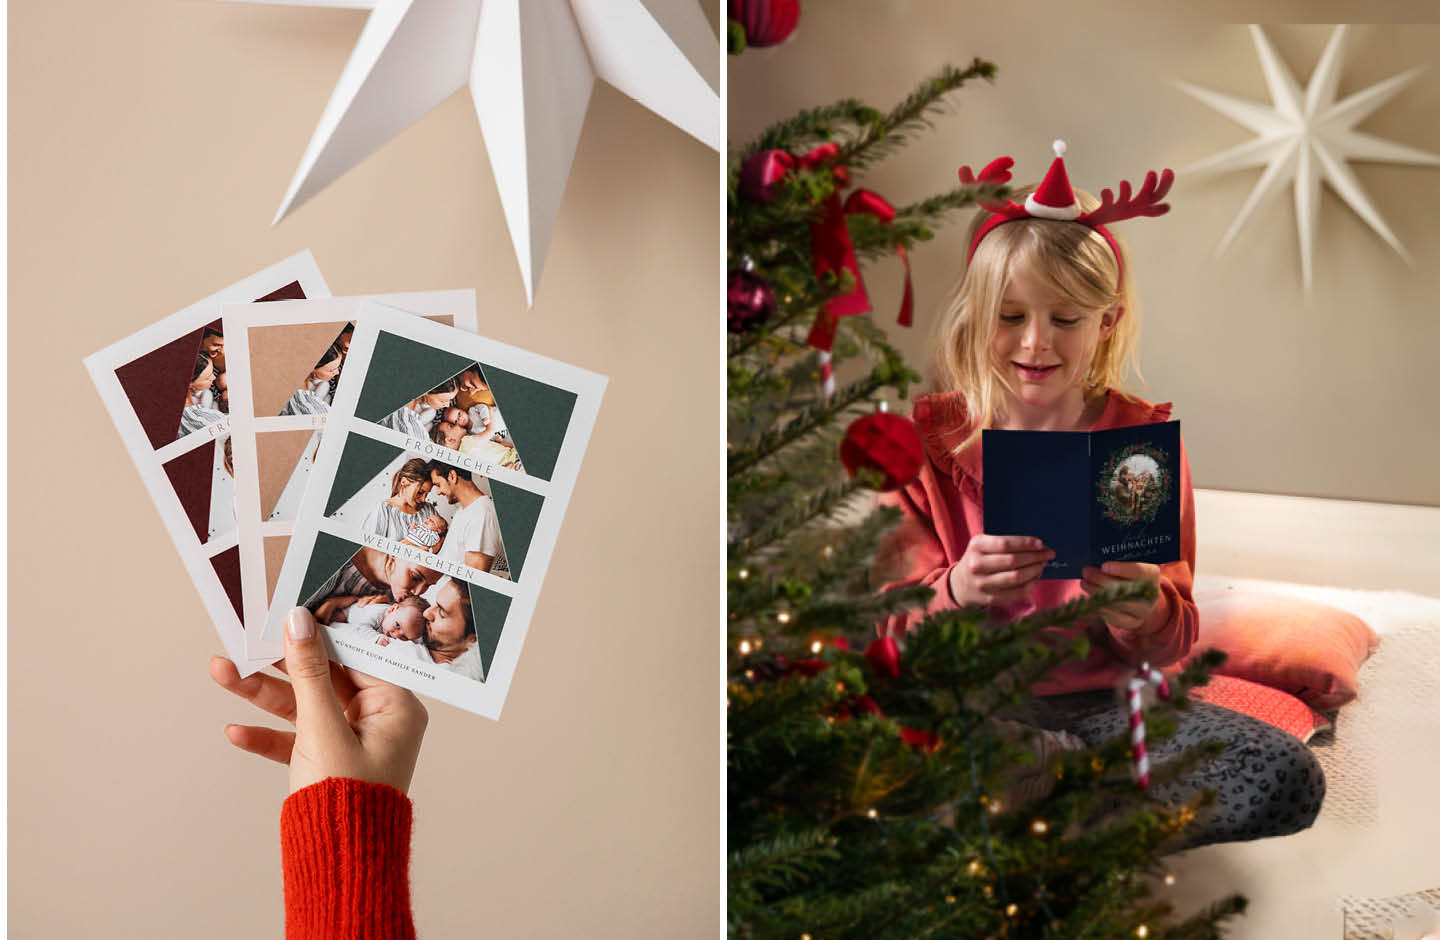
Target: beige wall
1328	395
150	144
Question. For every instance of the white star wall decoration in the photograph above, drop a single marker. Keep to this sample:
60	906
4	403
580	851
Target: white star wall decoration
1305	136
530	66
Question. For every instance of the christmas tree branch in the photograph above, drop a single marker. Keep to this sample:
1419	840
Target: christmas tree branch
810	126
822	503
807	420
891	131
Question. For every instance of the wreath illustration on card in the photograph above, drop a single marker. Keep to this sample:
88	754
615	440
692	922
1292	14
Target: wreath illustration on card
1134	484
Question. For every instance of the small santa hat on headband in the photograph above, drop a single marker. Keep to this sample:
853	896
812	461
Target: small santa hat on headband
1054	199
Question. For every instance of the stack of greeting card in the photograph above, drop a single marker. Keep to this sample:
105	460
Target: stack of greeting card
370	458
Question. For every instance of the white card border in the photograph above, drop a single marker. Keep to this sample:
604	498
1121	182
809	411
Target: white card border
250	528
483	698
102	365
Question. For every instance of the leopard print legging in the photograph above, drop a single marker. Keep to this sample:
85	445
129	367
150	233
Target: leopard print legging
1267	782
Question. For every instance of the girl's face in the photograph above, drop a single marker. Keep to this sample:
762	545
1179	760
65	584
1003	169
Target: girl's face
1044	344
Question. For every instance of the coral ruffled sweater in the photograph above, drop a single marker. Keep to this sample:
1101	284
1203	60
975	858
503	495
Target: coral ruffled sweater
943	507
346	847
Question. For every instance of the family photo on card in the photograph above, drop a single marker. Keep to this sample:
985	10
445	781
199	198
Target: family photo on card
432	505
288	362
167	389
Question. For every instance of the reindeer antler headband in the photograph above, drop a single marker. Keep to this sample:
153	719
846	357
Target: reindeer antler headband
1056	200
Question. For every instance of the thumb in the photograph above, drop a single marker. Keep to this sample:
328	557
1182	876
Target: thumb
309	669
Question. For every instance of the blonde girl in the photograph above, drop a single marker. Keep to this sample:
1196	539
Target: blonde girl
1039	334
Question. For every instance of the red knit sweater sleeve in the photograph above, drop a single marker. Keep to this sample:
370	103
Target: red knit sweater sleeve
346	847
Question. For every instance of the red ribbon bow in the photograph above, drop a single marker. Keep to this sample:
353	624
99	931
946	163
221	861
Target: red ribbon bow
830	236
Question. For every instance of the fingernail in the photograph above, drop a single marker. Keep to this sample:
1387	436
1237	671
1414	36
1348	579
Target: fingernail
1036	544
301	624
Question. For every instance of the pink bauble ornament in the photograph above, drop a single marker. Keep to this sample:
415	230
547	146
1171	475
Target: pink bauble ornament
766	22
749	301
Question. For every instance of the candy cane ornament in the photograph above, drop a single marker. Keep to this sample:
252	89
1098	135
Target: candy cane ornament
1143	677
827	375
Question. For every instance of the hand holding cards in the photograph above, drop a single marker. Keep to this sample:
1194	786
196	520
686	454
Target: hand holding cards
454	609
417	527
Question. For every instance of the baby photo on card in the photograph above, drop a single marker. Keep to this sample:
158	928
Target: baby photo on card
434	504
288	361
167	389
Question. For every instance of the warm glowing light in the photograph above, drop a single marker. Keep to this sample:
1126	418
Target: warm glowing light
743	573
1142	931
1012	910
749	673
839	687
816	647
871	813
1039	827
974	867
745	647
828	551
995	807
1169	878
783	616
949	899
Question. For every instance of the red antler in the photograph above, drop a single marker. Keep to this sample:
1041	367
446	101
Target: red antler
1145	202
996	171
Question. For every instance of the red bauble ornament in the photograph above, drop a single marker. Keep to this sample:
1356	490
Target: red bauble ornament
766	22
886	443
749	301
883	654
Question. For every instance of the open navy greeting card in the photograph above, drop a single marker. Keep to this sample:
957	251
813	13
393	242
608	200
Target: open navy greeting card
1091	496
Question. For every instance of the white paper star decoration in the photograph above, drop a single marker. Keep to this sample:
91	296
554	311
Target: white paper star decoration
1305	136
530	66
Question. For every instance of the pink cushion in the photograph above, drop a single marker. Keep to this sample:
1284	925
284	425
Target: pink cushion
1310	650
1271	706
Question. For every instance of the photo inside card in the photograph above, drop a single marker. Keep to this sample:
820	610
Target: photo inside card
490	415
180	387
295	368
384	607
474	526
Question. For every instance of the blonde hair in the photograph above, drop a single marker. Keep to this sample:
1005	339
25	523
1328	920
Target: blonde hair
1071	259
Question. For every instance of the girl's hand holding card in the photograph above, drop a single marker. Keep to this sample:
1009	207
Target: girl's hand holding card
998	569
1136	616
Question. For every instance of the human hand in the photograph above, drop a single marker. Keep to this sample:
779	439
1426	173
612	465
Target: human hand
347	724
998	569
1133	615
